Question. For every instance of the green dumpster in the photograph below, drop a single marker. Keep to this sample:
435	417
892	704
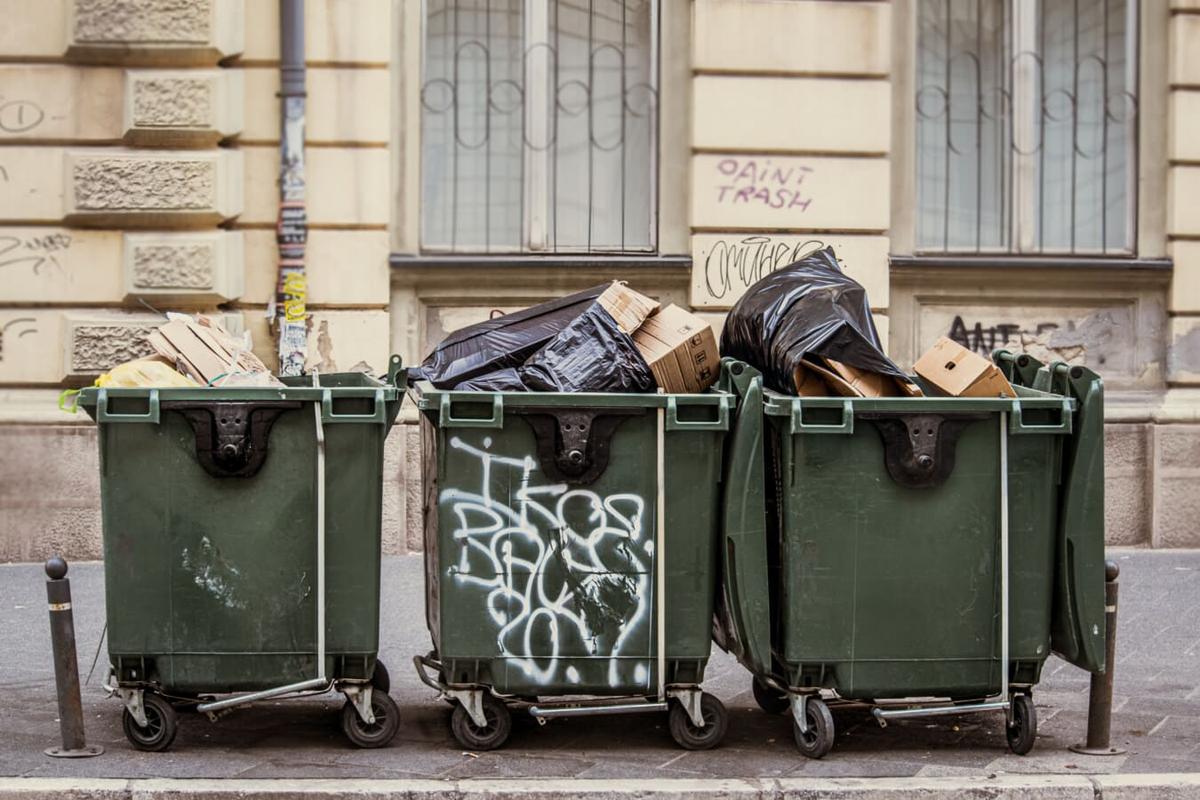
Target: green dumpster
902	548
241	547
571	556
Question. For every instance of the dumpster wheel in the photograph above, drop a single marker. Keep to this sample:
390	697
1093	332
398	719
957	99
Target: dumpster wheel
488	737
817	740
377	733
687	735
160	728
769	700
380	679
1021	731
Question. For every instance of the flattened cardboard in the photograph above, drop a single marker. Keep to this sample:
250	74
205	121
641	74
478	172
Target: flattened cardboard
959	372
629	308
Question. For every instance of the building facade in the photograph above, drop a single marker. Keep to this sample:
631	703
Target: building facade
1011	173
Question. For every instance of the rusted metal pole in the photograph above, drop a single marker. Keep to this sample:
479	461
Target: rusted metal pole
66	668
1099	728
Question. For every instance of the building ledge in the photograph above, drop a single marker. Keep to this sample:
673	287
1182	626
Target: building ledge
1040	262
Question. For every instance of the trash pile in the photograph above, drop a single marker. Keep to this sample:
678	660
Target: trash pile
605	339
807	327
191	351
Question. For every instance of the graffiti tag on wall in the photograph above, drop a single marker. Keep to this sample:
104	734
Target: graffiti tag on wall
552	586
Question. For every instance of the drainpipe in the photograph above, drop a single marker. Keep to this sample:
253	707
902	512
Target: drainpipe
288	311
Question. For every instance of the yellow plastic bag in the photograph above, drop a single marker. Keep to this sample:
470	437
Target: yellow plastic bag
145	372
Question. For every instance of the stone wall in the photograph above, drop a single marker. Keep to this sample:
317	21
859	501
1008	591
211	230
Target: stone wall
138	160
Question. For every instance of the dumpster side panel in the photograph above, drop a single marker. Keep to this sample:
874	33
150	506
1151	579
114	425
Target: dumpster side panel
551	583
211	581
892	591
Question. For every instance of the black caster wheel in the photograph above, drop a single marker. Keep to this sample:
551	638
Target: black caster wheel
489	737
818	739
380	678
770	700
160	728
1022	731
378	733
687	735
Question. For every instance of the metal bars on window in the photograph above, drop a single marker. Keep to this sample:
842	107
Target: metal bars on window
539	124
1026	126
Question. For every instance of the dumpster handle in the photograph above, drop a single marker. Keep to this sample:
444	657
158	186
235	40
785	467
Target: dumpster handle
660	552
1017	425
446	418
376	416
800	426
104	415
674	423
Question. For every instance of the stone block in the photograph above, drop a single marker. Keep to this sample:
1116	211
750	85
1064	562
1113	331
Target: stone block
33	30
60	265
1183	200
346	186
182	108
734	36
1185	50
1185	279
177	32
344	105
774	114
95	342
337	340
49	492
1183	143
794	193
725	265
136	188
344	268
30	346
1160	786
1183	351
335	31
1126	488
201	268
1176	474
394	530
59	103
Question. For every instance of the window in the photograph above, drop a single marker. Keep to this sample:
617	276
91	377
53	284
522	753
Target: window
1026	126
539	125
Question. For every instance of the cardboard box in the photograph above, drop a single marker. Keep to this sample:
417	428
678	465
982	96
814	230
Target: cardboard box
848	381
681	350
959	372
809	383
626	306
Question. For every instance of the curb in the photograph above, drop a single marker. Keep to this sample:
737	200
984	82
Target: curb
1165	786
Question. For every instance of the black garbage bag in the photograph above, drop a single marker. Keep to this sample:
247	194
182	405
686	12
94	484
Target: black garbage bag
500	343
807	308
591	354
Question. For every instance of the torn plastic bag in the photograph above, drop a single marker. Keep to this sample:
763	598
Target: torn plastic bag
501	343
591	354
807	308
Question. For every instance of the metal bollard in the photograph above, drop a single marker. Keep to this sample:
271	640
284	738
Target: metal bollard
1099	728
66	669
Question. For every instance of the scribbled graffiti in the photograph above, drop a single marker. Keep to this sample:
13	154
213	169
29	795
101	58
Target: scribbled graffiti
550	586
214	574
35	251
17	328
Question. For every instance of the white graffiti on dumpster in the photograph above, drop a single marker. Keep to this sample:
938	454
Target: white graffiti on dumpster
550	587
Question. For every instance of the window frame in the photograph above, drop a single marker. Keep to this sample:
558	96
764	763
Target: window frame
669	215
1148	239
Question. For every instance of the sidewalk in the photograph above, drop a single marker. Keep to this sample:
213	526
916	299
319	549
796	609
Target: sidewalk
1157	715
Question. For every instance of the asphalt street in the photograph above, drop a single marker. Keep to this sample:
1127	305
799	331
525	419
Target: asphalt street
1157	709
